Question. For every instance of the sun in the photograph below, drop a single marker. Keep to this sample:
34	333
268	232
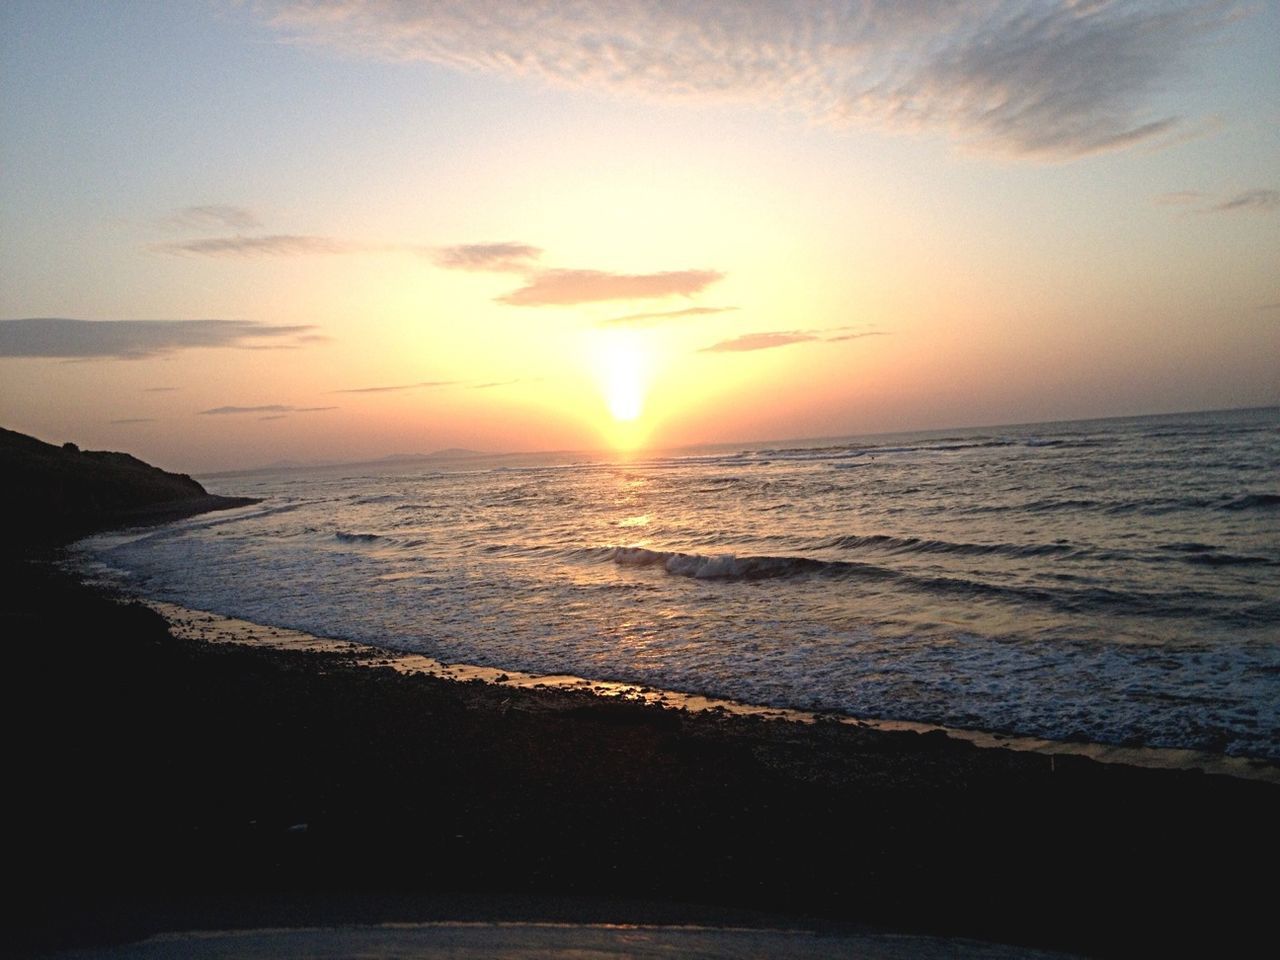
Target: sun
623	368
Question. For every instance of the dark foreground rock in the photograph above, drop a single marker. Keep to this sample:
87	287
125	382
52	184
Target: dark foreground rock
161	784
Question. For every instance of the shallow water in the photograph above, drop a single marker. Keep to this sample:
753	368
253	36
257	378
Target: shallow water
1116	581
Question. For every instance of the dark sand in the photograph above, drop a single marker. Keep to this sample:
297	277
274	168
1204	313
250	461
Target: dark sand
158	783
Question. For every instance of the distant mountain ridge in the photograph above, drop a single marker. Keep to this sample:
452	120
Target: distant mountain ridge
51	494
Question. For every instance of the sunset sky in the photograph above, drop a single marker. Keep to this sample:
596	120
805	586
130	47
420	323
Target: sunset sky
238	233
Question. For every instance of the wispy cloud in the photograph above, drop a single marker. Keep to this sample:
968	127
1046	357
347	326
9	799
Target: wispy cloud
784	338
760	341
59	337
662	316
495	383
268	408
1257	200
495	257
1053	78
215	216
568	287
271	408
420	385
159	389
1261	201
128	420
506	257
266	245
855	336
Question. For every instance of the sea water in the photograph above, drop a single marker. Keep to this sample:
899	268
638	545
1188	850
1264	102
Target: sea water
1116	581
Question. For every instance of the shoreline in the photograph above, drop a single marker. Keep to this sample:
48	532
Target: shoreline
211	627
165	784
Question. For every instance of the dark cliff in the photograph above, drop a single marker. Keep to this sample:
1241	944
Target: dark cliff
51	494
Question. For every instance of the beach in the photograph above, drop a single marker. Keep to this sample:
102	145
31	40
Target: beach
174	784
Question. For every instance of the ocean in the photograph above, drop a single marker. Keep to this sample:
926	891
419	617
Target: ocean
1113	581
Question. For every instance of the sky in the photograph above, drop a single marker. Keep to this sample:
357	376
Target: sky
238	233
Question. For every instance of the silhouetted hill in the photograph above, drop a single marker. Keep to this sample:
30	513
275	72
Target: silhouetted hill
52	494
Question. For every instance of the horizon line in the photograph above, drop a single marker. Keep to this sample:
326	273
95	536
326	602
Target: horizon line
611	455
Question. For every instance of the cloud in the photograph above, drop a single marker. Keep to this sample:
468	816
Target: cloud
213	216
760	341
662	316
855	336
159	389
784	338
497	257
1053	78
268	245
1263	201
494	383
271	408
567	287
274	416
422	384
59	337
493	257
128	420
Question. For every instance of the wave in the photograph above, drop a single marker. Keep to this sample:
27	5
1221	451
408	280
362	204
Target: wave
1229	560
1208	555
945	445
910	545
716	566
1252	501
1087	597
375	498
1152	506
839	454
346	537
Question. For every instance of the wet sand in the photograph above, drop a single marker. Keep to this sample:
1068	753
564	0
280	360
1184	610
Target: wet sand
216	628
167	783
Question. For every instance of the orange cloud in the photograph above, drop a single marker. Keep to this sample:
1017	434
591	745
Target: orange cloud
568	287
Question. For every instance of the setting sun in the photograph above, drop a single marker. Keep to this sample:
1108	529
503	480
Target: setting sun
623	368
